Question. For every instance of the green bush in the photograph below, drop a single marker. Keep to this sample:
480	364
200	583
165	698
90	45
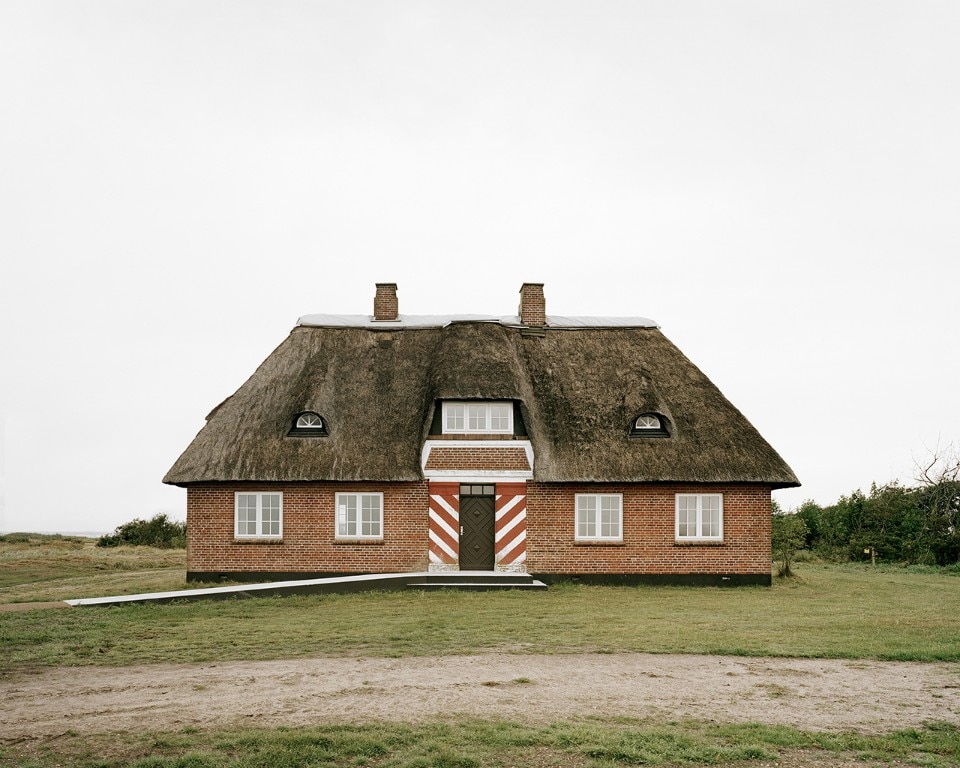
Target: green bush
159	531
899	524
789	535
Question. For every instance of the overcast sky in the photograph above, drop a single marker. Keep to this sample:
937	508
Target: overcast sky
776	183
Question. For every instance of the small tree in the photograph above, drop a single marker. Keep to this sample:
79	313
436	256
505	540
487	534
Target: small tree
939	502
789	535
811	512
158	531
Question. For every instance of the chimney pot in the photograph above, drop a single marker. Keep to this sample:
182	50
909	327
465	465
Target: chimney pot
533	306
385	304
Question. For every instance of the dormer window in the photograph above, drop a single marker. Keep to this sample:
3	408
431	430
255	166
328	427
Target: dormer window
650	425
478	418
308	421
308	424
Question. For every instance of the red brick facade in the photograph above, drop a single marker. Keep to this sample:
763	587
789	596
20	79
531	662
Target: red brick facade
466	459
649	545
309	545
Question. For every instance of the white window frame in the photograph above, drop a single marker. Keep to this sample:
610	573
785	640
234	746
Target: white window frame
698	534
343	522
260	523
304	418
472	411
596	528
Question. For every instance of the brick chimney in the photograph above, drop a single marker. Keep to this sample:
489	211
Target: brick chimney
385	305
533	307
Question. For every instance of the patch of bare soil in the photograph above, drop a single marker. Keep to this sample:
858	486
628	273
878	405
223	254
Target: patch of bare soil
868	696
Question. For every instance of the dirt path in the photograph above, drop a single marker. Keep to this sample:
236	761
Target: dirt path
812	694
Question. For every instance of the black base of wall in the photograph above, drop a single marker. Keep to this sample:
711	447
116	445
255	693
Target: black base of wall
255	577
609	579
660	579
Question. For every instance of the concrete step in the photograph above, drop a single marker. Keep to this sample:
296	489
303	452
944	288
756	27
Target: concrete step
476	581
476	586
467	576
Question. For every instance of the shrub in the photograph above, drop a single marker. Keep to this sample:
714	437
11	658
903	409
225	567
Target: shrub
789	535
159	531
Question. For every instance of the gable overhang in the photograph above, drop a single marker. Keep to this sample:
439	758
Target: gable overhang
482	452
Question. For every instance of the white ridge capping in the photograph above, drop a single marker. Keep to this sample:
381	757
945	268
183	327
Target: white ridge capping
441	321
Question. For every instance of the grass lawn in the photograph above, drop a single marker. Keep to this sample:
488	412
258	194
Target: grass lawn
471	744
850	611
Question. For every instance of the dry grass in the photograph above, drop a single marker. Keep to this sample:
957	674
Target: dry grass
34	568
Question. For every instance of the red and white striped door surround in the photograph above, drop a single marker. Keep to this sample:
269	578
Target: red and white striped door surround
444	524
510	534
511	525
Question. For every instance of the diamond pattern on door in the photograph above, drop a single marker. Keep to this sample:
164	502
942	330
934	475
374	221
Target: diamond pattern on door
477	537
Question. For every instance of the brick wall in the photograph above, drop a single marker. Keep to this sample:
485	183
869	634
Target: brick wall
482	457
308	544
649	545
386	306
533	305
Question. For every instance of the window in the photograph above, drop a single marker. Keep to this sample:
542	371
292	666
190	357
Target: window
359	515
480	417
599	516
308	424
650	425
477	490
699	517
258	515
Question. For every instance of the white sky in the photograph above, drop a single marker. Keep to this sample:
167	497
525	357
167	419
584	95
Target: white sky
776	183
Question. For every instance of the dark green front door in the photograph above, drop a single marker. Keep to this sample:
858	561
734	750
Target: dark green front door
476	533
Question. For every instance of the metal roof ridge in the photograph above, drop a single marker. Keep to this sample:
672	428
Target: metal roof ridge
441	321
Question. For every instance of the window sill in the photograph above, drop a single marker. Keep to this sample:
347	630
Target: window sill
257	540
698	543
362	542
598	543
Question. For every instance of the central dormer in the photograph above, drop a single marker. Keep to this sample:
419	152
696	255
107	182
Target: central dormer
477	420
477	439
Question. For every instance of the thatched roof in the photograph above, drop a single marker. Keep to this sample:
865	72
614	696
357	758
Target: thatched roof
579	387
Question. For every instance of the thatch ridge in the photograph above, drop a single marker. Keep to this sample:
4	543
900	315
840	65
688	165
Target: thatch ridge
579	390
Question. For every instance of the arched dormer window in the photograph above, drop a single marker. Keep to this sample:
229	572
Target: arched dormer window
309	421
308	424
650	425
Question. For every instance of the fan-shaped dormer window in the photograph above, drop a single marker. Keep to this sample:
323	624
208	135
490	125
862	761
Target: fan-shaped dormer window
309	421
650	425
308	424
